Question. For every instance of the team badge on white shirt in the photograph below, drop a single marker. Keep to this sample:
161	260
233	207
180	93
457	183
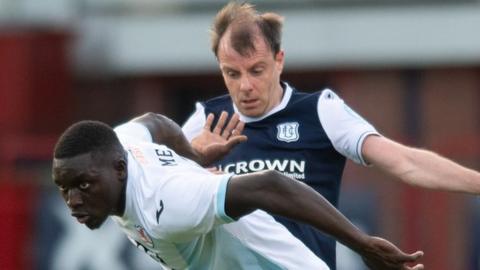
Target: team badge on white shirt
288	132
144	236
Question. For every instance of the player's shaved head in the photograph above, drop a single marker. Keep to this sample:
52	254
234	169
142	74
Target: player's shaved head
84	137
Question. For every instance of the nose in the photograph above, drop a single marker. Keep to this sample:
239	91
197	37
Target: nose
74	198
245	83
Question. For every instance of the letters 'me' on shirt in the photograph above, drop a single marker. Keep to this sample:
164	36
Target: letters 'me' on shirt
307	137
175	213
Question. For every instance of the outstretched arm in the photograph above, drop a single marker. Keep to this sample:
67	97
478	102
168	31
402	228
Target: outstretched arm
277	194
210	147
166	131
419	167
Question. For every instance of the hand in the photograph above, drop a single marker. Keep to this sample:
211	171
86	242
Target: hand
383	255
213	145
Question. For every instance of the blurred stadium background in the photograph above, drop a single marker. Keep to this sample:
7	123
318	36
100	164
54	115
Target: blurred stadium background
411	67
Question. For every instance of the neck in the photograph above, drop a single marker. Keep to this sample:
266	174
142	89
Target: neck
281	92
120	210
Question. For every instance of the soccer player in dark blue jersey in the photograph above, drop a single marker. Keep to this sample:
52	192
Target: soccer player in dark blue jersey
305	136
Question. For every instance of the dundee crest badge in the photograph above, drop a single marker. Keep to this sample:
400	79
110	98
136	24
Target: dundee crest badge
288	132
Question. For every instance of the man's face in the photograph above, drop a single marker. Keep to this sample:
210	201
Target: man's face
90	185
253	81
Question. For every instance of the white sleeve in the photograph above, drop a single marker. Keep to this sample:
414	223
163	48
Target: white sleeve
193	126
345	128
191	207
134	131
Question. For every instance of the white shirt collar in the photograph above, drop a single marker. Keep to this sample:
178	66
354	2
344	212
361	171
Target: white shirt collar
286	98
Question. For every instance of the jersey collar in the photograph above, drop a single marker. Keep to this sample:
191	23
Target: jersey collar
286	98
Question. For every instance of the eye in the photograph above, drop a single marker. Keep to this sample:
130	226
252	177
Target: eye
84	185
62	188
257	71
232	74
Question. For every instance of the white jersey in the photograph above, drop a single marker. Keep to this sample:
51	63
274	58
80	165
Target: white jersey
174	211
343	126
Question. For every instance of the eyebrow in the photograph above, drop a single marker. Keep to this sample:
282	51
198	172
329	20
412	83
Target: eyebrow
73	180
255	65
228	68
259	64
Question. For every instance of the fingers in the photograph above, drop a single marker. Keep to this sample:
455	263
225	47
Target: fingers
230	129
239	127
416	267
417	255
233	128
235	140
221	123
209	122
414	256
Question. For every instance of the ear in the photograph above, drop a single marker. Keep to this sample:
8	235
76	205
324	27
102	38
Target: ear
279	60
121	168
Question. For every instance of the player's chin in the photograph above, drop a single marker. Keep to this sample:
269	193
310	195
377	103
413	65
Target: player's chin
94	223
252	111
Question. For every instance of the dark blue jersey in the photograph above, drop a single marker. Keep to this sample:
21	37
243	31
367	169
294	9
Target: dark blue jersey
293	142
305	136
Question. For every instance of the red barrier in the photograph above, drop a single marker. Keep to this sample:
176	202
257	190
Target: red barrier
35	90
35	82
16	228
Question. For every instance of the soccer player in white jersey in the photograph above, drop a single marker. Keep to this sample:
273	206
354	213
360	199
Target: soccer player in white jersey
186	217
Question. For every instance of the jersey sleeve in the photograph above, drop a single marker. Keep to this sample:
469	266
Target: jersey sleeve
193	126
344	127
192	206
134	131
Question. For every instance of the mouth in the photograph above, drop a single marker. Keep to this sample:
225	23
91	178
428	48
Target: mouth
249	102
81	217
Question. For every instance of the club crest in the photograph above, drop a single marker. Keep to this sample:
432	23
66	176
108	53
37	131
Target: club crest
144	236
288	132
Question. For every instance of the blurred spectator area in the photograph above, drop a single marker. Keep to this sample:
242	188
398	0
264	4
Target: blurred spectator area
148	36
412	68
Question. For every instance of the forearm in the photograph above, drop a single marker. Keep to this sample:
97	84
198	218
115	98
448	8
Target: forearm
280	195
419	167
300	202
167	132
429	170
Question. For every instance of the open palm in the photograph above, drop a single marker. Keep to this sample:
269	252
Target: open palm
212	145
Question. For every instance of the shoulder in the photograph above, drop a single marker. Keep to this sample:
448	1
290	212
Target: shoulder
218	104
328	94
132	132
303	100
328	102
219	100
345	128
297	95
